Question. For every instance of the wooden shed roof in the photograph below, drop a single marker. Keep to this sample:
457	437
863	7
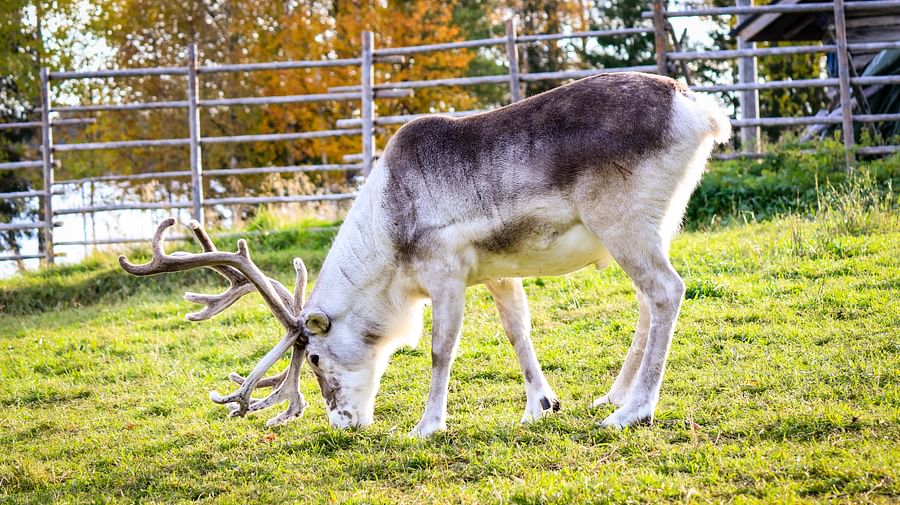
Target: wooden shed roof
862	26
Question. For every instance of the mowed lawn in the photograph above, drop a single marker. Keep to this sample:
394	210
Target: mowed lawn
783	385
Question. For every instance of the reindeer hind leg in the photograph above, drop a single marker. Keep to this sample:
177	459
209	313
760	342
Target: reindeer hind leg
650	270
618	393
509	296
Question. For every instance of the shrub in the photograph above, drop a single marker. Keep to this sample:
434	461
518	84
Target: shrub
785	182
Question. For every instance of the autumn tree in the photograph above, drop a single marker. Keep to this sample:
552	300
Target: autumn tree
22	53
407	23
156	33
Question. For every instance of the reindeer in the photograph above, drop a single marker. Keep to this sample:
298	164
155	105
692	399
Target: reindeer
597	170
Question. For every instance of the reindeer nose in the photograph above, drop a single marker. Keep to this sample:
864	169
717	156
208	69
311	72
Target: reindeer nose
314	359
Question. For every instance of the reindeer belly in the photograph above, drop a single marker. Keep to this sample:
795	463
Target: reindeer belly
544	250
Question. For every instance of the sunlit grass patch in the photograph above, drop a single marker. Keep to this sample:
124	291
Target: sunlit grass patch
783	385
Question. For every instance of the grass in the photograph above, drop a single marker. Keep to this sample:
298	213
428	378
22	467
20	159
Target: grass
783	385
788	180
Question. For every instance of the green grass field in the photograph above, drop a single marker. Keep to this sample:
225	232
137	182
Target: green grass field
783	386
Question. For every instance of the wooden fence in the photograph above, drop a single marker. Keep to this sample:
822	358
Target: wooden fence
367	91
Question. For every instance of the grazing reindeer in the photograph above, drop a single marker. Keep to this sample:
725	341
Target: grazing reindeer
595	170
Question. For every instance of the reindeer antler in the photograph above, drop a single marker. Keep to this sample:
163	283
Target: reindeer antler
239	284
244	277
240	266
286	382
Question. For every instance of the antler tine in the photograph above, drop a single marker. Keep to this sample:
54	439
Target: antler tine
217	303
156	263
232	275
285	295
207	244
265	382
287	390
159	237
277	298
299	285
240	285
274	296
242	396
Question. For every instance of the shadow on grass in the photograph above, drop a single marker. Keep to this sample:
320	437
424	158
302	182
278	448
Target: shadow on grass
805	428
46	293
45	397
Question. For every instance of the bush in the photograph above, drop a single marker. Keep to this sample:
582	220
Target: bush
786	182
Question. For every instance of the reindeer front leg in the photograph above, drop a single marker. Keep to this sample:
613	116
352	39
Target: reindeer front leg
448	300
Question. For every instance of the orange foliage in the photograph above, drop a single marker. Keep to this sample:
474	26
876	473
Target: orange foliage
156	33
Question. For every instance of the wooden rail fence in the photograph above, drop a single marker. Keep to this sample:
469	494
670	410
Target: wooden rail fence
367	91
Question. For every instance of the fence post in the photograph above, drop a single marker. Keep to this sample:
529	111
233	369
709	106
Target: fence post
659	29
749	99
47	165
196	160
367	76
515	88
840	36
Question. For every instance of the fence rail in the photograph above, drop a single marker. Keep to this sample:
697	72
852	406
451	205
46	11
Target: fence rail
367	91
15	165
22	226
779	9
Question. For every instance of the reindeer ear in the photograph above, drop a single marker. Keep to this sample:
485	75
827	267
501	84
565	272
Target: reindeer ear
317	322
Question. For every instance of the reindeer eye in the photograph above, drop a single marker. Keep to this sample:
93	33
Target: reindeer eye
314	359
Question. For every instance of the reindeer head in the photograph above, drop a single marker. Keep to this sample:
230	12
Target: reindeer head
244	277
347	365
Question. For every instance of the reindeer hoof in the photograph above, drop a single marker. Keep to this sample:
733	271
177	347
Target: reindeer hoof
540	408
426	429
550	404
606	399
630	416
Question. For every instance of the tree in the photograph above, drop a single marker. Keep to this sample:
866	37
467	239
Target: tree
405	23
546	16
156	33
19	63
619	51
482	20
790	102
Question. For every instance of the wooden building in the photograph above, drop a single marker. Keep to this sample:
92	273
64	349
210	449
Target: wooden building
862	26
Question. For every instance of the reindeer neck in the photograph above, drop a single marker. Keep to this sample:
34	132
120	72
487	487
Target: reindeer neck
361	275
